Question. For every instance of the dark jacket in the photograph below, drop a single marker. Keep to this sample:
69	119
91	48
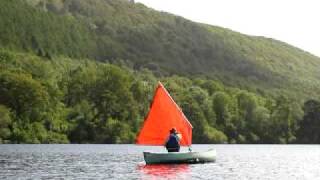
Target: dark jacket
173	141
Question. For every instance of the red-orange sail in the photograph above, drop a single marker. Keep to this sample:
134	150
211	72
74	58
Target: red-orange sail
164	114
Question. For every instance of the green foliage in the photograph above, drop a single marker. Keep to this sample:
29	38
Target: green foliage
221	106
26	96
5	123
213	135
28	28
232	87
309	126
81	101
134	35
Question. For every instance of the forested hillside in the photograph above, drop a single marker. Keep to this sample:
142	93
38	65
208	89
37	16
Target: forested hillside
85	71
117	30
63	100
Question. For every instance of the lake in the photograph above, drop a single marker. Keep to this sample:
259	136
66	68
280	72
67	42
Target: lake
126	162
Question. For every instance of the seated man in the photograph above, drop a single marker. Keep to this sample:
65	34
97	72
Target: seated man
173	142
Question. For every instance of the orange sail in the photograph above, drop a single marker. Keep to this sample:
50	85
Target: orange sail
163	116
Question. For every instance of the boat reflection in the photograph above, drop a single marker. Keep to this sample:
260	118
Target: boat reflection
164	170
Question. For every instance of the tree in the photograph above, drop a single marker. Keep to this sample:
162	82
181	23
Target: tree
82	128
282	121
211	86
24	95
5	123
112	99
221	104
261	125
309	131
247	103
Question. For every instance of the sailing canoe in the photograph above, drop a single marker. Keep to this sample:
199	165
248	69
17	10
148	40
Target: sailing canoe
165	114
180	157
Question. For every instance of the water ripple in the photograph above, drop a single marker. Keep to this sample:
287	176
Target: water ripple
126	162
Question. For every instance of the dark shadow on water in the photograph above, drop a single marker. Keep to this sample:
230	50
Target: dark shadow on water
164	170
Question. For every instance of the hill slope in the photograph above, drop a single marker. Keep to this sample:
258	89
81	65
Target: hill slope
117	30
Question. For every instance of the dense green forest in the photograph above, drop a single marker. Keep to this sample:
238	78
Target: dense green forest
85	71
117	31
61	100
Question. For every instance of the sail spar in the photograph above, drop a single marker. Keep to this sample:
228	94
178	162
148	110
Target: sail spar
164	114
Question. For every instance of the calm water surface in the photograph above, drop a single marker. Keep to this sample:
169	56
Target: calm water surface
126	162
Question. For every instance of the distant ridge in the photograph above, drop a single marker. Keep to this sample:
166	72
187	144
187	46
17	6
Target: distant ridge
119	31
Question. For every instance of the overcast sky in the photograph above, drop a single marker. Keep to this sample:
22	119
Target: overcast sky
296	22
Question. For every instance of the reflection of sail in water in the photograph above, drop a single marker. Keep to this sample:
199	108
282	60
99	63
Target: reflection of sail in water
167	171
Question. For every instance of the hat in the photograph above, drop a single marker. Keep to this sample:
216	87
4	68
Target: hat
173	130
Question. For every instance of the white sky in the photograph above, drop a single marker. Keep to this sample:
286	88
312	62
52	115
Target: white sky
296	22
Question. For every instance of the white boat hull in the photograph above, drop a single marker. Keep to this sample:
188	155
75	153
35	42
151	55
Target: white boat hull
180	157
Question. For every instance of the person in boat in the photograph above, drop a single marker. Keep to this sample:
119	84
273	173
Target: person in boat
173	142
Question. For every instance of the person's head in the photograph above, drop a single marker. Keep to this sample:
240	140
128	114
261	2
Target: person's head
173	130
